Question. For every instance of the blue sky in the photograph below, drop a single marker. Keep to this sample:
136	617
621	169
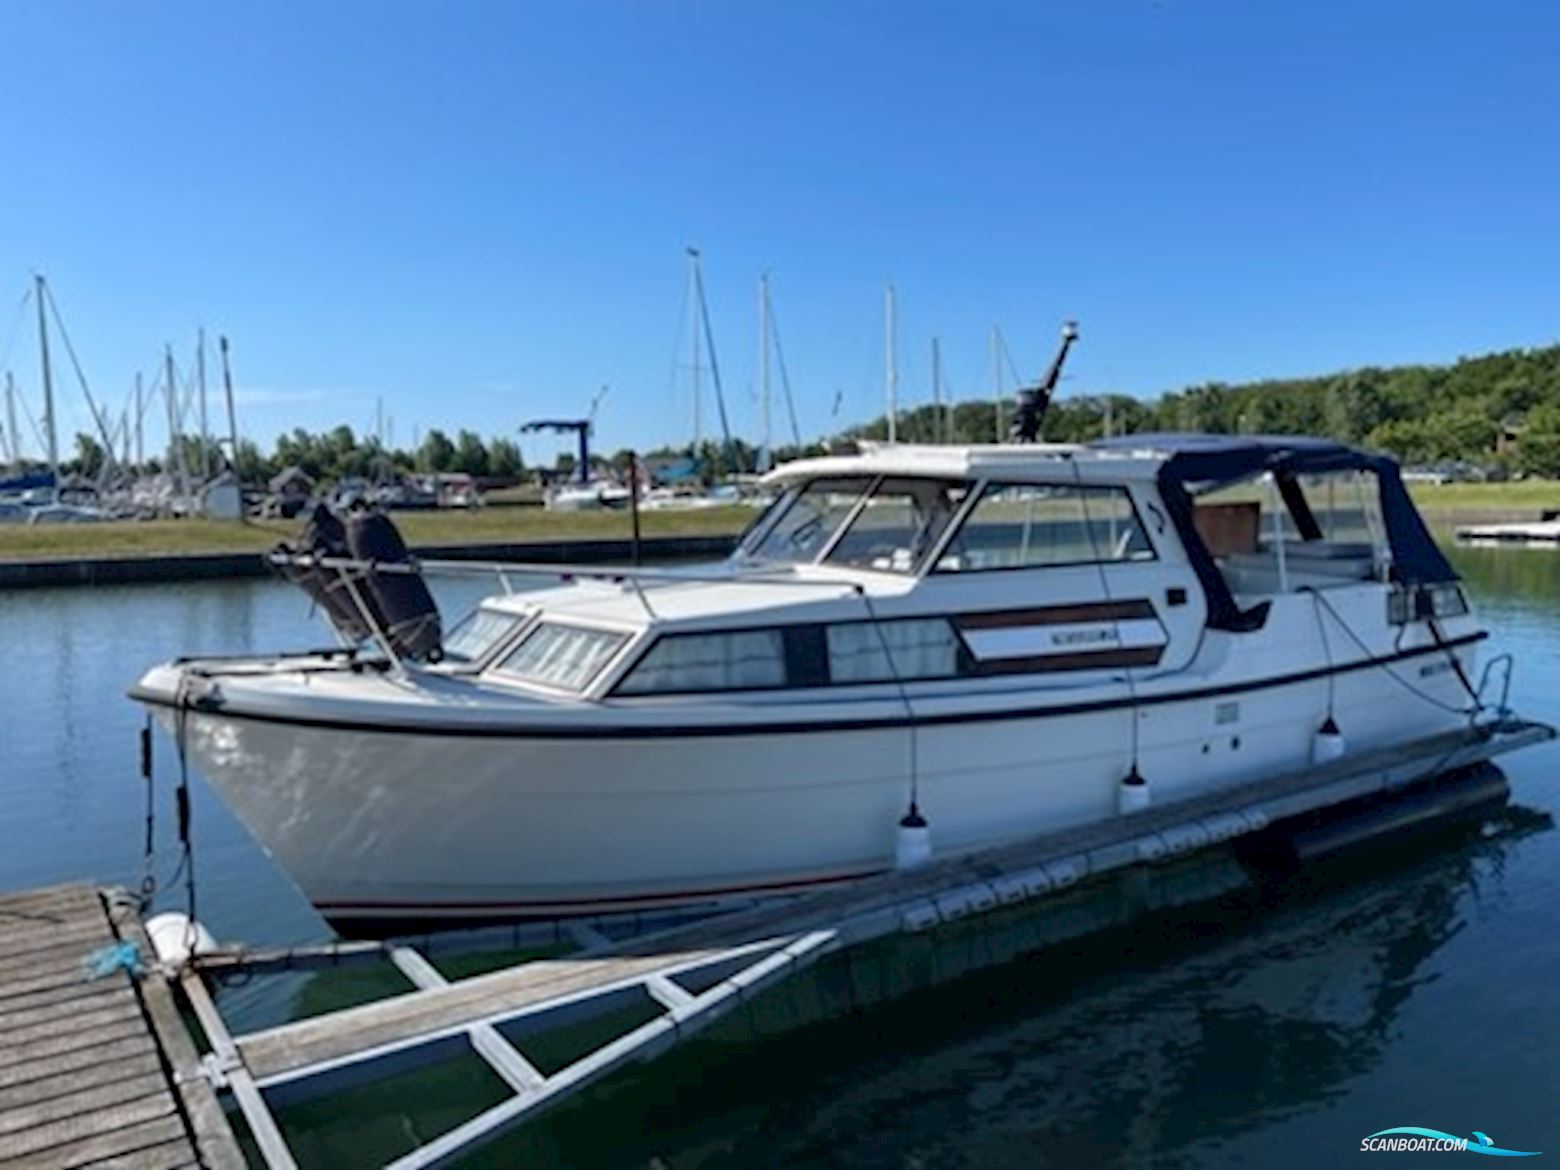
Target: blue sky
478	211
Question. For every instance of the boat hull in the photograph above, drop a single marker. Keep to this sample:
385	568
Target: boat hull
383	824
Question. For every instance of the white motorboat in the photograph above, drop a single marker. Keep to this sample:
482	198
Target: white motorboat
1019	638
591	496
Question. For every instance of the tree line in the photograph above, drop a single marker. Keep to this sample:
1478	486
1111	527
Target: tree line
1499	412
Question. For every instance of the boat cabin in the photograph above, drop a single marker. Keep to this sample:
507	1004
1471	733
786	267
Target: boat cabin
910	565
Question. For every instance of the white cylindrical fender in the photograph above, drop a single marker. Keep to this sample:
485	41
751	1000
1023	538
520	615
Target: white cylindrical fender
1328	743
1132	793
175	937
913	842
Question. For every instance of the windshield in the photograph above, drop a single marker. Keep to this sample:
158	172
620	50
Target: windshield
901	523
805	526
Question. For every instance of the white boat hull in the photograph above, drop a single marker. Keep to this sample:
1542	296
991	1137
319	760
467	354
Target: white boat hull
379	824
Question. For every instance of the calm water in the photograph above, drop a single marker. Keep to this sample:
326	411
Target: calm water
1268	1028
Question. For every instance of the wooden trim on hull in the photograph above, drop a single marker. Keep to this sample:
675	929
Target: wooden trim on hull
724	730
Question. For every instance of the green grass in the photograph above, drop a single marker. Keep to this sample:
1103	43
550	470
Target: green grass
480	526
1526	496
1442	503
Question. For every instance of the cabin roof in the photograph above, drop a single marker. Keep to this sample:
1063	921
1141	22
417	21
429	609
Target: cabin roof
1022	461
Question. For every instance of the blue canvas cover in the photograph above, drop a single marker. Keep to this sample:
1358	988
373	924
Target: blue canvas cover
1196	463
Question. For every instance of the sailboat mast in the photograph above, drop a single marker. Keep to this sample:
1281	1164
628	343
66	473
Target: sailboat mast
175	439
52	430
763	362
996	373
937	419
891	369
227	388
693	306
13	436
140	429
205	429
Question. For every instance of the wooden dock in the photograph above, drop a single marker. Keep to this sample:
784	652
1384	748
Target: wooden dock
95	1071
1536	532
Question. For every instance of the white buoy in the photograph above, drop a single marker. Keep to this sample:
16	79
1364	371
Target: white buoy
913	845
1132	793
175	937
1327	745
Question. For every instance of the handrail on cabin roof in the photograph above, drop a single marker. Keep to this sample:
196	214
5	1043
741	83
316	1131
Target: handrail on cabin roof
590	572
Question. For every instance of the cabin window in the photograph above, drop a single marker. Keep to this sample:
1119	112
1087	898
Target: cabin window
808	523
902	522
477	635
735	660
921	648
567	657
1023	526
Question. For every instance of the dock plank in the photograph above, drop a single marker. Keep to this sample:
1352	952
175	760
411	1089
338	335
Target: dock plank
108	1066
46	989
62	1006
170	1156
90	1099
36	936
16	1059
63	963
293	1046
67	896
106	1123
83	1022
107	1050
119	1147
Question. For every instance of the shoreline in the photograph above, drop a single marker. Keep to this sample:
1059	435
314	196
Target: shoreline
160	568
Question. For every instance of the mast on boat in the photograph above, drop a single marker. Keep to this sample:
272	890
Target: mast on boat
227	387
704	335
51	432
13	436
996	373
890	366
200	381
694	285
175	440
140	430
765	457
937	412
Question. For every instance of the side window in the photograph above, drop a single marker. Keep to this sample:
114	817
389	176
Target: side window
741	659
1020	526
921	648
